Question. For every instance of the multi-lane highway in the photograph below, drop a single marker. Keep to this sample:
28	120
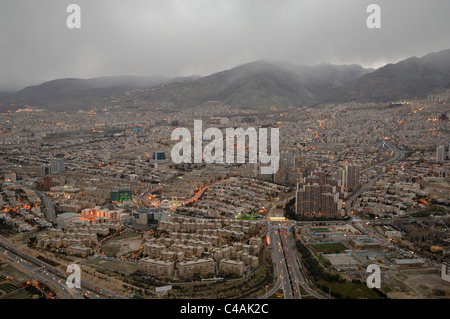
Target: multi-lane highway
294	266
287	266
289	259
36	271
53	277
280	263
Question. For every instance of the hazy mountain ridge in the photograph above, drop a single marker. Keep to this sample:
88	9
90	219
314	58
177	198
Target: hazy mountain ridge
410	78
259	83
79	93
251	85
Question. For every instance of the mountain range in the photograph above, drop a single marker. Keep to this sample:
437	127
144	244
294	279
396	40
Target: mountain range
408	79
257	84
252	85
78	93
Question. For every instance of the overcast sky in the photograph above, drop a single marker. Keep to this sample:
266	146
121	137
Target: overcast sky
187	37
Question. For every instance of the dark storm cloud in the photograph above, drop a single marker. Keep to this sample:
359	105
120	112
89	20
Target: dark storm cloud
184	37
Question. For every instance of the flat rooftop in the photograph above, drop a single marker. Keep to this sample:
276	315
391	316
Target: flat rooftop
408	261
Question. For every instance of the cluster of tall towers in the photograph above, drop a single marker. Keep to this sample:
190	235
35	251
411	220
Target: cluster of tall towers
290	171
319	195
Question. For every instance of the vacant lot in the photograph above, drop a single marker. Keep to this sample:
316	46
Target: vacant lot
329	248
121	245
120	266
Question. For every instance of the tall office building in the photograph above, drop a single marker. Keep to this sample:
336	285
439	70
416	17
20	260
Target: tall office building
440	154
337	184
46	169
340	175
47	183
308	200
320	175
352	177
295	175
297	170
57	165
325	188
330	204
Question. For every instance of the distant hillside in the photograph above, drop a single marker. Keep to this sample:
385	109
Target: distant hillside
78	93
256	84
4	95
410	78
253	85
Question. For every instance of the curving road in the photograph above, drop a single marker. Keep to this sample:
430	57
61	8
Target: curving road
398	155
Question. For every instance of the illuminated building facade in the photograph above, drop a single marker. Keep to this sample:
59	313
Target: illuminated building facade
352	177
121	194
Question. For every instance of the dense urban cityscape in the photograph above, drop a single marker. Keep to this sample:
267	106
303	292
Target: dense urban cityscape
224	158
357	184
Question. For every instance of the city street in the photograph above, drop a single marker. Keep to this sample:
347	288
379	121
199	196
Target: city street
398	154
